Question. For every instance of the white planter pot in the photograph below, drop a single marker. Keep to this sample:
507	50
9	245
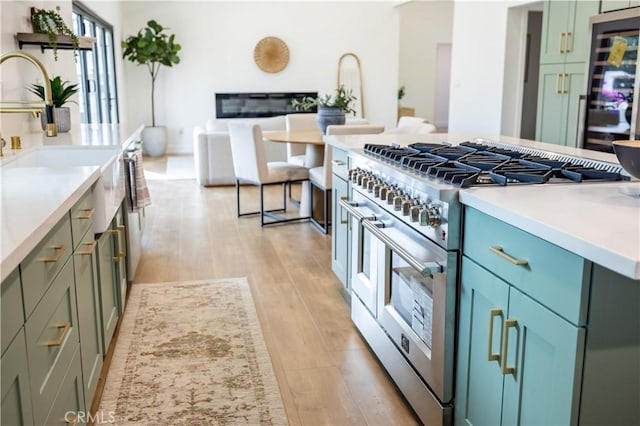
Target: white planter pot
62	117
154	141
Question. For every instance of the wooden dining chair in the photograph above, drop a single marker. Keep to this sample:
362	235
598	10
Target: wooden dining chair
250	167
320	177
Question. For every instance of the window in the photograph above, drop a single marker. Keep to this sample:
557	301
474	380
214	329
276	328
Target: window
96	68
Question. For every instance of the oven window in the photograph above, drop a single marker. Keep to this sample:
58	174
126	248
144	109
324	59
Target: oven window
411	297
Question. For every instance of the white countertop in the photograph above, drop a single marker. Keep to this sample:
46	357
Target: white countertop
598	221
32	201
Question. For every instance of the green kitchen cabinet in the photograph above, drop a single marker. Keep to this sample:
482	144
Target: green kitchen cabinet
564	51
519	362
108	285
88	300
559	101
16	393
565	30
610	5
121	273
340	227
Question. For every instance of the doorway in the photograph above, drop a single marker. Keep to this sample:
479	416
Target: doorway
531	72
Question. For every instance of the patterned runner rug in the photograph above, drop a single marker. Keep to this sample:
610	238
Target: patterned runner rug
191	353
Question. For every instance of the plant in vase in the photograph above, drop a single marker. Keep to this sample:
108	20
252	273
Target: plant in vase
61	92
152	47
331	108
51	23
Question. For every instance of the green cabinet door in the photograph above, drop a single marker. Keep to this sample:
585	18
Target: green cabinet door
16	394
579	30
518	362
559	103
555	21
108	286
551	114
89	320
484	300
340	239
545	352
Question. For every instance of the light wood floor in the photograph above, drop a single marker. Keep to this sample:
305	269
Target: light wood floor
326	373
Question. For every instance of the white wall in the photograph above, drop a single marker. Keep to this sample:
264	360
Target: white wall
423	25
478	66
218	39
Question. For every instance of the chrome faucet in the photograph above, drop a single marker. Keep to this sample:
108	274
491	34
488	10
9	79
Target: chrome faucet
51	127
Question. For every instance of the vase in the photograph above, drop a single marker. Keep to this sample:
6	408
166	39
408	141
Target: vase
329	115
62	118
154	141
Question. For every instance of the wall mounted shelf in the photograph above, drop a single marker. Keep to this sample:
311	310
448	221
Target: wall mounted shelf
63	41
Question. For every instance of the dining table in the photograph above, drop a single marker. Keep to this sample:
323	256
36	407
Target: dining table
314	156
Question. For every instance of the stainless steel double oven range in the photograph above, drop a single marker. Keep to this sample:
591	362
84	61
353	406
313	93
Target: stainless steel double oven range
406	226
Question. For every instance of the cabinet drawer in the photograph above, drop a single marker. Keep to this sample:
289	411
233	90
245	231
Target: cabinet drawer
45	261
553	276
52	340
82	218
11	310
68	406
340	163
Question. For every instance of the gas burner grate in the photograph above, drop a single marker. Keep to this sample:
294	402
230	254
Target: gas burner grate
427	147
484	160
453	152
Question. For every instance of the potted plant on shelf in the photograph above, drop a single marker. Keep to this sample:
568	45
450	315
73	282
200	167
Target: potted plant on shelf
152	47
50	22
331	108
61	91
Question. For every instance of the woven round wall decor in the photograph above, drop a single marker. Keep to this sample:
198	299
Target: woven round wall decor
271	54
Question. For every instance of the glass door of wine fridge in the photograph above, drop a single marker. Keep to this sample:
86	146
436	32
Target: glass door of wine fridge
612	101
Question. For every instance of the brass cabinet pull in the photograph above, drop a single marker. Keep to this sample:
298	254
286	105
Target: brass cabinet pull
567	48
500	252
505	346
342	220
564	81
494	312
558	77
122	247
562	39
337	162
59	248
88	213
89	251
65	329
116	259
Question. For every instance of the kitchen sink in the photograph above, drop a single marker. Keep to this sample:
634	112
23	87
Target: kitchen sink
108	191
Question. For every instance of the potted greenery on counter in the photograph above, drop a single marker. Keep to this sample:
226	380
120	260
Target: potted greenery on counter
331	108
152	47
61	91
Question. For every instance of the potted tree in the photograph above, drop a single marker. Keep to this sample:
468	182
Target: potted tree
331	108
152	47
61	91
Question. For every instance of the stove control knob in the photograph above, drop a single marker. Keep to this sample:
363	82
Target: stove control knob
355	175
352	173
433	216
363	180
391	195
397	202
384	189
376	189
372	183
414	212
406	206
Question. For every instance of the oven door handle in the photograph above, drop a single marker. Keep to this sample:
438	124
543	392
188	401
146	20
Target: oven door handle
425	268
352	208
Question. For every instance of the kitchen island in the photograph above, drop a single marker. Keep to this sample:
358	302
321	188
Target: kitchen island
553	269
